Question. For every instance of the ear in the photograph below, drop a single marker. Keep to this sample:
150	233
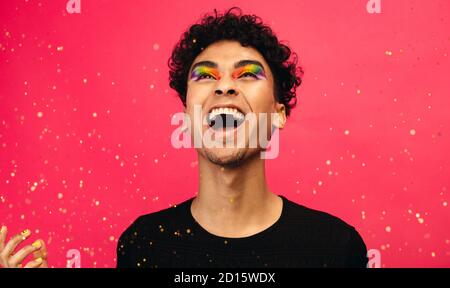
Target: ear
281	110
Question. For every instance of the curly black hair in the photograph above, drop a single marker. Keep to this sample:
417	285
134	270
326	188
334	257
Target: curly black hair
248	30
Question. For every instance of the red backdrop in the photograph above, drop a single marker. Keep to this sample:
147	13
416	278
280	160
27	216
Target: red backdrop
85	111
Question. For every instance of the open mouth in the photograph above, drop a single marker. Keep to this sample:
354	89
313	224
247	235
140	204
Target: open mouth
225	118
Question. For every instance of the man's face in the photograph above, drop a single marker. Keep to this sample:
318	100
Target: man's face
226	74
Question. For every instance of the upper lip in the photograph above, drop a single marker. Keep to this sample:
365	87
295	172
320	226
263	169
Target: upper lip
228	105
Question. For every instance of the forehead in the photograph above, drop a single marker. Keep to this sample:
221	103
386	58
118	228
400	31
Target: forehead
225	53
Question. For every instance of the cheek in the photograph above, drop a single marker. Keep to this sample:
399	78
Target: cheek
260	97
196	97
196	94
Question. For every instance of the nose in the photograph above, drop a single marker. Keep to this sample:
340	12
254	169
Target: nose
226	86
230	91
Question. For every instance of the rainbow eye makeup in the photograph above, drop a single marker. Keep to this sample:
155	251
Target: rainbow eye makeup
244	68
253	70
202	72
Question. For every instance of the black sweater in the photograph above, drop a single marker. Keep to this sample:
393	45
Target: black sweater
301	237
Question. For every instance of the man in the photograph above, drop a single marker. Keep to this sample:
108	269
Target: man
232	65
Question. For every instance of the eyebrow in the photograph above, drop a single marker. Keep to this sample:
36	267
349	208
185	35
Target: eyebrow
236	65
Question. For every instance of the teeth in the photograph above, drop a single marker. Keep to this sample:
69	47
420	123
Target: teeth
232	111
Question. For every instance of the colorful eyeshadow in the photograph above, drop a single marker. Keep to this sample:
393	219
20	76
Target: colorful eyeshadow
204	71
254	69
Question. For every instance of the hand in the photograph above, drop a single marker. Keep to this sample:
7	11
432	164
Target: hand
9	259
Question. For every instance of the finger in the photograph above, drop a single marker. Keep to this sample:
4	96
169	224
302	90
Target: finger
44	264
36	263
42	252
3	233
18	257
15	240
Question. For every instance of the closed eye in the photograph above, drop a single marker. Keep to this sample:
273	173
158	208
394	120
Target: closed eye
205	76
248	74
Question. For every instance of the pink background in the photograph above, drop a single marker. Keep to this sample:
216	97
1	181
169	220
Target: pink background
85	112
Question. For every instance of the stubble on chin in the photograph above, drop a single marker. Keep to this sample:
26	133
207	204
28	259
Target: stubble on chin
236	159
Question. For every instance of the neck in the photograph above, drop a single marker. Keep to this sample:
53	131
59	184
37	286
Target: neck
234	200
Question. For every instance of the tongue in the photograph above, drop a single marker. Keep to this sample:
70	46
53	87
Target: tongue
223	121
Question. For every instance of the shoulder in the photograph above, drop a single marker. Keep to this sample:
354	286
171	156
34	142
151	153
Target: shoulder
142	230
308	216
156	221
326	230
